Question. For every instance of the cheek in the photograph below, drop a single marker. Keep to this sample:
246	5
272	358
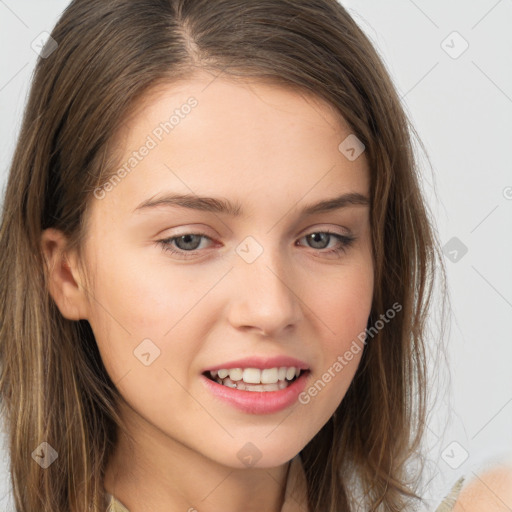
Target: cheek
344	303
342	306
134	311
142	296
343	309
151	308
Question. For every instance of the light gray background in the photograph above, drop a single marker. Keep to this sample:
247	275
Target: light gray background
462	110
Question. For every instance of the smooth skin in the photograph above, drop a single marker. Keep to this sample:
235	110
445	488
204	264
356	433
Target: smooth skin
489	492
273	150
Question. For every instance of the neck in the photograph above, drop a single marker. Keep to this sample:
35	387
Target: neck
156	472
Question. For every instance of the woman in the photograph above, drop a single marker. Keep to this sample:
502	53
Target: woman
260	371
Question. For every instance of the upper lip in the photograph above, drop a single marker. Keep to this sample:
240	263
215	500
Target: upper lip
261	362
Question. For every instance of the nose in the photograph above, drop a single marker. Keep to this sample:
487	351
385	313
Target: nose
266	297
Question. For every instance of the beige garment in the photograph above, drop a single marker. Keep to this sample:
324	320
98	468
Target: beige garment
295	495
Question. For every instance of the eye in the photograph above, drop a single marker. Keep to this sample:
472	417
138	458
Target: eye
187	245
343	241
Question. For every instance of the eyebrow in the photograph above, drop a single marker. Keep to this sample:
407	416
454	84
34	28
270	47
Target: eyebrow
219	205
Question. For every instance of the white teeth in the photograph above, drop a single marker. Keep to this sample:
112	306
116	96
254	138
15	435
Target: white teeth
290	373
223	373
264	387
252	376
236	374
267	377
242	386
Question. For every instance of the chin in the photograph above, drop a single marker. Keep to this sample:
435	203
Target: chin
259	454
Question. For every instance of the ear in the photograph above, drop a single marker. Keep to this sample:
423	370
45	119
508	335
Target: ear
64	283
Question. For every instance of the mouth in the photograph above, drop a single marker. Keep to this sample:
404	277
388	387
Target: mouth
254	390
256	379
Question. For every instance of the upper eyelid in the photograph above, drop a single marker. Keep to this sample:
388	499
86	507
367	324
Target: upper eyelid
307	231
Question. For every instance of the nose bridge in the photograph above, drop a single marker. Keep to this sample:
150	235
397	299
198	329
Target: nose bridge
266	298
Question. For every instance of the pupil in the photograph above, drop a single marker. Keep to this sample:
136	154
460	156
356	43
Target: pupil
186	239
314	237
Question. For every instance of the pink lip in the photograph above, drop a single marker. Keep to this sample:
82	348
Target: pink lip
258	402
260	362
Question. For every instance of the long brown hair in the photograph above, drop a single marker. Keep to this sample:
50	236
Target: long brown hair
54	387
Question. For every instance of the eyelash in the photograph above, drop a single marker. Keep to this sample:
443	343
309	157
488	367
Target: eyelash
346	242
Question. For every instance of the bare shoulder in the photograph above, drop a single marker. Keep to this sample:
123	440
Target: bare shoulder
490	491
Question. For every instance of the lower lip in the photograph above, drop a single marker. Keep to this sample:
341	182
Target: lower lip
258	402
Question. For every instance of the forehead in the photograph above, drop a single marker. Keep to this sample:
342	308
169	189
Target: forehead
237	137
255	94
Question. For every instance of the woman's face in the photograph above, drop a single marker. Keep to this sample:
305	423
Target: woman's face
263	283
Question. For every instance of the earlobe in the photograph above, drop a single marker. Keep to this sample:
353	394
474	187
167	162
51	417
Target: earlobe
63	277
